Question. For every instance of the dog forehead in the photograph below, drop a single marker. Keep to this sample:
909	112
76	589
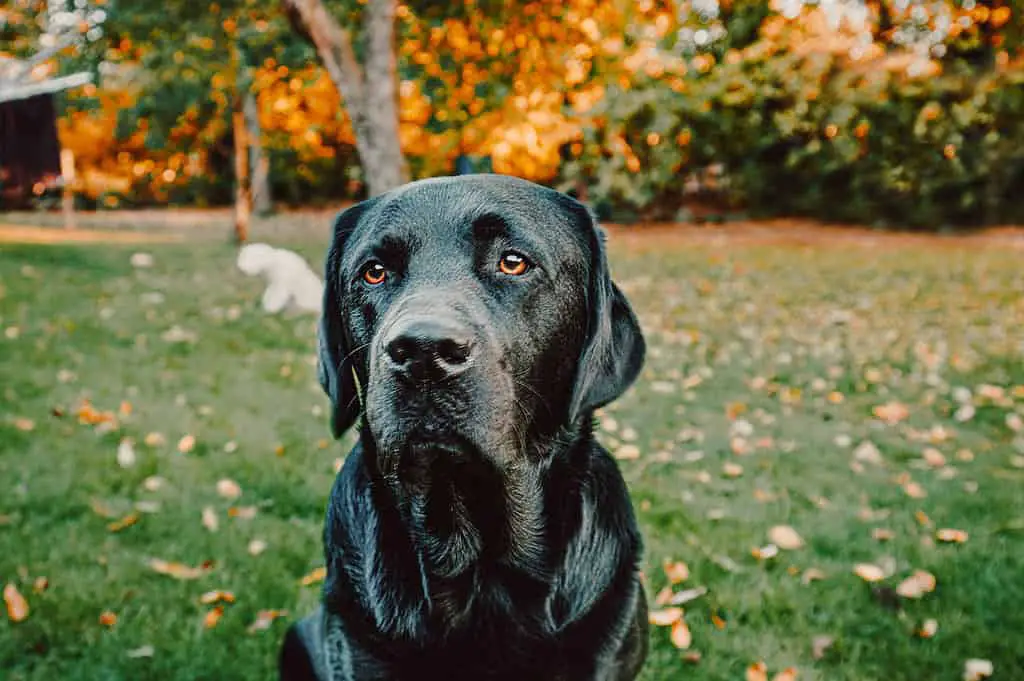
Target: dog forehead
437	210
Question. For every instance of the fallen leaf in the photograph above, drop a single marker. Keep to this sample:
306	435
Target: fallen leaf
820	645
317	575
812	574
108	619
692	656
933	457
757	672
891	412
153	483
867	452
142	651
681	636
154	439
665	617
627	452
914	490
40	585
213	616
928	628
765	552
950	535
24	424
124	522
257	546
975	670
732	470
229	489
882	534
264	618
17	606
242	512
688	595
186	444
917	585
216	596
717	621
209	519
676	571
126	453
176	570
868	572
787	674
785	537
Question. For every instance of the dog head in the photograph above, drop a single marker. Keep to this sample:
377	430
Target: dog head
471	318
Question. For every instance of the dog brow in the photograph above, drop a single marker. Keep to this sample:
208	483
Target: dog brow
489	226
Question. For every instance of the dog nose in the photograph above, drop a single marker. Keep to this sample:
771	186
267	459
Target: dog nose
429	350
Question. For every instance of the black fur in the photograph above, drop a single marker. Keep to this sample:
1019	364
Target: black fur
477	531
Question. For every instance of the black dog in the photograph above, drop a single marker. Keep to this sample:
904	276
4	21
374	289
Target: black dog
477	531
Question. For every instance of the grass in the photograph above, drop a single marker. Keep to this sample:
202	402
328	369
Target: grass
749	338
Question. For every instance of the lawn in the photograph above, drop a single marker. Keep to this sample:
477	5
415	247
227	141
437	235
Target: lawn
865	391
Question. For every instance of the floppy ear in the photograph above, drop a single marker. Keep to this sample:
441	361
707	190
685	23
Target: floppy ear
613	353
334	365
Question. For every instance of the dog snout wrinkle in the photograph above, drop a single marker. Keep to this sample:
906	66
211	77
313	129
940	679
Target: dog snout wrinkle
428	350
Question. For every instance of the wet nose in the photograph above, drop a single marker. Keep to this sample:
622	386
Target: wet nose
428	350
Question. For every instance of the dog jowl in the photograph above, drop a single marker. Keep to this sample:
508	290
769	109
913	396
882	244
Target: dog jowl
477	530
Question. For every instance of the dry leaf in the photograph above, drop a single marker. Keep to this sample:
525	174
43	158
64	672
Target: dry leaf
928	628
209	519
820	645
627	452
176	570
765	552
665	617
17	606
688	595
732	470
681	636
663	597
717	621
975	670
950	535
153	483
108	619
24	424
143	651
124	522
676	571
229	489
812	574
785	537
154	439
787	674
892	412
126	453
867	452
186	444
242	512
868	572
917	585
933	457
213	616
257	546
264	618
882	534
757	672
314	577
40	585
914	490
216	596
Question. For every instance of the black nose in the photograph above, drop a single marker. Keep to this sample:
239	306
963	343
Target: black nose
428	350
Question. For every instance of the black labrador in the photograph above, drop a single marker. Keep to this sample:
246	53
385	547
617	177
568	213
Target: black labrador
477	531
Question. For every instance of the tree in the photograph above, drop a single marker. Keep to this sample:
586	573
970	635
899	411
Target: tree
368	88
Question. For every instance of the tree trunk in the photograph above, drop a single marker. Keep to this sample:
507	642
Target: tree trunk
259	164
243	190
368	90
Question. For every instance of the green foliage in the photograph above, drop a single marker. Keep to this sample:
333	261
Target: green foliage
808	135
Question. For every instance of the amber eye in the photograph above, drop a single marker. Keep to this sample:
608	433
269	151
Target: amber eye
512	263
374	273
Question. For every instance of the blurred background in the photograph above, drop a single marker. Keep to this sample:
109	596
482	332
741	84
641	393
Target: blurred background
884	112
810	205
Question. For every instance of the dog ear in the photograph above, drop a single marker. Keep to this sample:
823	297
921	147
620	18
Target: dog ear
334	365
613	352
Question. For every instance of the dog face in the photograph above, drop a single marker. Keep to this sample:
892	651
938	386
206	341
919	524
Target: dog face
471	318
255	258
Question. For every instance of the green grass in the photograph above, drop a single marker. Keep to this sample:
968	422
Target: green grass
771	328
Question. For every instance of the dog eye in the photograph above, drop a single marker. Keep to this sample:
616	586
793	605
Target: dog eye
374	273
513	264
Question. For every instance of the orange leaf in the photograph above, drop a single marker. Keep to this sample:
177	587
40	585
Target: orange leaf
17	606
787	674
681	636
917	585
108	619
868	572
785	537
216	596
124	522
892	412
264	618
213	616
757	672
950	535
176	570
313	577
665	617
676	571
